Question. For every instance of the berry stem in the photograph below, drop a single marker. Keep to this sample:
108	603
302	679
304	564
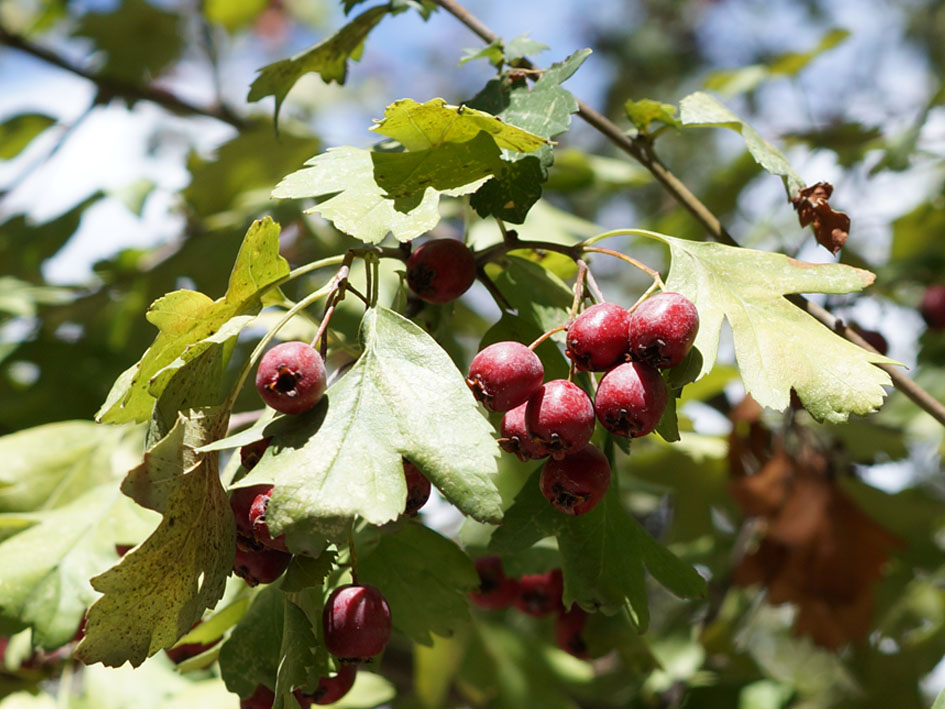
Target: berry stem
492	288
646	294
578	290
632	261
335	296
594	288
548	334
352	554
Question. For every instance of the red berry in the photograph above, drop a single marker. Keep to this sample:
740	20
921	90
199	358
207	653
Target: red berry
263	566
577	482
504	374
356	623
496	590
179	653
875	339
569	629
540	594
515	438
418	489
933	306
560	417
329	689
262	698
257	517
662	329
441	270
630	399
291	377
597	340
241	501
252	452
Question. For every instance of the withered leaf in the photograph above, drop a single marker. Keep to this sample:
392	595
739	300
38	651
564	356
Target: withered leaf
830	226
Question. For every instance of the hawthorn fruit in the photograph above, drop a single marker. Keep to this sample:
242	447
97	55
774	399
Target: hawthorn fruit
496	590
291	377
262	566
662	330
559	418
356	623
597	339
569	631
262	698
257	518
418	489
504	374
441	270
540	594
329	689
631	399
515	438
932	307
576	483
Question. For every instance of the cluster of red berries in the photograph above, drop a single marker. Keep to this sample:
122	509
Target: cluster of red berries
537	595
557	418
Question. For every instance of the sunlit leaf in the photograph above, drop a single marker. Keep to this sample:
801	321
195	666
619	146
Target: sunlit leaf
18	131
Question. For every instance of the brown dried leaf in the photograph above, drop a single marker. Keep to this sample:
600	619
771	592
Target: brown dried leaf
830	226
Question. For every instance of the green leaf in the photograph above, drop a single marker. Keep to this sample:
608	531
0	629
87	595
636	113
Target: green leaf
537	295
329	58
356	204
403	397
185	318
511	193
523	46
603	552
138	39
369	690
778	346
415	557
643	112
47	566
455	167
700	109
18	131
51	465
233	15
21	298
161	588
418	126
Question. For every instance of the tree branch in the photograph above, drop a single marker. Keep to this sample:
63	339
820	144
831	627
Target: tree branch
641	150
110	87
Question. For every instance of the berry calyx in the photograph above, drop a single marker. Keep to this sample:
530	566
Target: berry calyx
418	489
515	438
933	306
496	590
257	517
356	622
540	594
441	270
569	632
631	399
577	482
504	374
560	417
329	689
263	566
241	501
597	339
262	698
662	330
291	377
252	452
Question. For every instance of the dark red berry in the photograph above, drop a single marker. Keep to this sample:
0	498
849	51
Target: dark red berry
515	438
569	631
504	374
933	306
257	517
179	653
263	566
262	698
356	623
630	399
577	482
662	329
252	452
496	590
560	417
597	340
418	489
291	377
540	594
241	501
875	339
122	549
441	270
329	689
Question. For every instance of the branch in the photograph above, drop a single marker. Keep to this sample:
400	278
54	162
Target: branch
109	87
641	150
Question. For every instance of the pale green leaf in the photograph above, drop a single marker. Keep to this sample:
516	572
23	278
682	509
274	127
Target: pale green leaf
418	126
643	112
161	588
329	58
370	690
778	345
18	131
701	109
403	397
413	558
185	318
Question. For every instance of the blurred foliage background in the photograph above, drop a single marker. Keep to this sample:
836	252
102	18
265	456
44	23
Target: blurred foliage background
131	164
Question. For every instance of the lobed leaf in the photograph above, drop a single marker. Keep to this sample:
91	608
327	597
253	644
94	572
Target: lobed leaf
403	397
778	346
